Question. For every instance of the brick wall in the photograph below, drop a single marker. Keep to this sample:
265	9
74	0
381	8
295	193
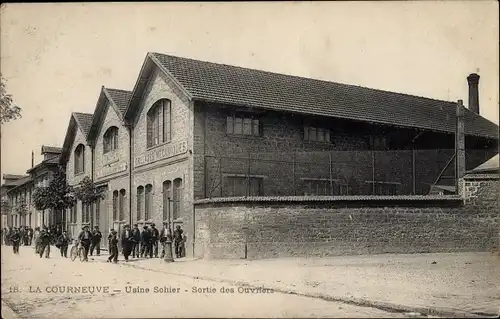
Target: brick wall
357	225
281	154
165	169
113	163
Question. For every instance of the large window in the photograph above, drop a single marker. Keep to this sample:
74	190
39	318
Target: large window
121	205
115	205
110	140
79	159
72	214
86	213
148	199
243	125
244	186
177	198
317	134
159	118
140	202
167	197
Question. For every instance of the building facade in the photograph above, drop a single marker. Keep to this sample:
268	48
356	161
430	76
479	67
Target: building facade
191	130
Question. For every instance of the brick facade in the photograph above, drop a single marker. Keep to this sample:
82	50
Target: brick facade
74	226
156	166
283	227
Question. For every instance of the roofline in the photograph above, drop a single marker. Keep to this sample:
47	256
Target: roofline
41	164
338	117
151	58
19	186
65	149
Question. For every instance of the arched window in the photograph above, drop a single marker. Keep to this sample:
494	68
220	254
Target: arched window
167	197
159	123
148	199
115	205
110	140
121	204
140	202
79	159
177	198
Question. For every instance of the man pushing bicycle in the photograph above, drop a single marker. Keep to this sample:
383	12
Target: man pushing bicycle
84	239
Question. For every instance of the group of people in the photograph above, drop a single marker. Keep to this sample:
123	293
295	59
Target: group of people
41	237
22	235
138	243
146	243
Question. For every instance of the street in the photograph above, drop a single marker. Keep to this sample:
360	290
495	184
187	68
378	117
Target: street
59	288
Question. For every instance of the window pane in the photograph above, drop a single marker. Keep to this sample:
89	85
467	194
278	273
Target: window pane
167	121
255	128
312	134
247	126
306	133
327	136
238	126
320	136
229	125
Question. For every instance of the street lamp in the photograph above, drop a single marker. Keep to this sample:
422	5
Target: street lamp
168	242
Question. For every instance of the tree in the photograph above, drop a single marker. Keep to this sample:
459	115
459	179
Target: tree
88	193
57	197
6	208
22	209
9	111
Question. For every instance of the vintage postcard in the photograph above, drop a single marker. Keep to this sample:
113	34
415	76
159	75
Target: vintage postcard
250	160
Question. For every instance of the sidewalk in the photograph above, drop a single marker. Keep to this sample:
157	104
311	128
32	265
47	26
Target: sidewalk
459	284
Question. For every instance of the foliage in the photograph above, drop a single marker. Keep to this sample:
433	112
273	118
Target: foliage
57	196
6	208
9	111
21	207
87	192
41	198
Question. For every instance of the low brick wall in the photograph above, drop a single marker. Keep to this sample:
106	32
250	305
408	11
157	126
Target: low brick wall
326	226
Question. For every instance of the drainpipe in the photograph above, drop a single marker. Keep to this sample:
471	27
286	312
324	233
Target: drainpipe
130	132
92	152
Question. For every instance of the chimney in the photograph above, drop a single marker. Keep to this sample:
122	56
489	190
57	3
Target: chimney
32	159
473	80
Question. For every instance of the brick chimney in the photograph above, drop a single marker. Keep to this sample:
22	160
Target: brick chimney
473	80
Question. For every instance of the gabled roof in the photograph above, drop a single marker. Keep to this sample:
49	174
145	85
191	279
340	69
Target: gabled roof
51	149
20	182
121	98
48	162
81	121
226	84
118	99
84	120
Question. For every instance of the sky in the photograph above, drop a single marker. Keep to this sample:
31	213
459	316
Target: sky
56	57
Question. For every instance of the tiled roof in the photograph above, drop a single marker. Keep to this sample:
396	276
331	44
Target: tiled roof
20	182
84	120
51	149
120	97
248	87
12	176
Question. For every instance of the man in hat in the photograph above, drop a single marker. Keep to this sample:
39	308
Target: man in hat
85	238
113	246
155	235
136	240
63	242
15	239
178	240
96	241
126	241
145	241
44	239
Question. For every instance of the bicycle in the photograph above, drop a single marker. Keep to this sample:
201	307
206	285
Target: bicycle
77	251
